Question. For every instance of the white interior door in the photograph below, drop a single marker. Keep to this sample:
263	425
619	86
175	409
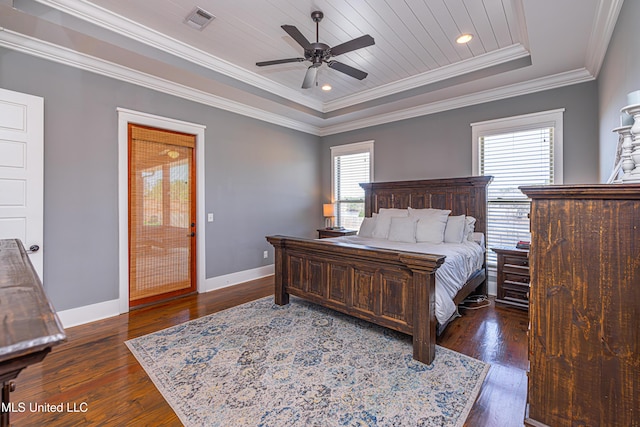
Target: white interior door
21	171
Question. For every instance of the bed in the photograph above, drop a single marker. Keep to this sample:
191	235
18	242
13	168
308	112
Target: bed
388	286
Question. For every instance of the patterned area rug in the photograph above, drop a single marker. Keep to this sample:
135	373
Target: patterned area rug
260	364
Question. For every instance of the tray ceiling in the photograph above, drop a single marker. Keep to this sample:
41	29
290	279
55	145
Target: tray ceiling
415	66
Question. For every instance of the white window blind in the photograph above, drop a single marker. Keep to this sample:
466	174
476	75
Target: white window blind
514	159
517	152
352	165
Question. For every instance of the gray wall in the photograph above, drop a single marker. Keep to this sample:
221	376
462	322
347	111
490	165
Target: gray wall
260	179
620	75
439	145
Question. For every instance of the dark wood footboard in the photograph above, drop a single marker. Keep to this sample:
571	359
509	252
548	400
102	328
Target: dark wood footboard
389	288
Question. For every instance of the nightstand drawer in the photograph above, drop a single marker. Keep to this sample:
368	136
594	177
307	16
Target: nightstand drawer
516	286
515	269
516	261
519	294
516	278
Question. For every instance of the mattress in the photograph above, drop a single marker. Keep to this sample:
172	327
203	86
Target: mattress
462	260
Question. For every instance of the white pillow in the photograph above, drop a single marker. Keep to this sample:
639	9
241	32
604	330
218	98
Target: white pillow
393	212
367	226
383	221
454	231
469	227
427	212
431	228
403	229
478	238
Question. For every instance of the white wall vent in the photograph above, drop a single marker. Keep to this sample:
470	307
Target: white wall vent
199	18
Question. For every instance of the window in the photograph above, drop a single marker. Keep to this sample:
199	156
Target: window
351	165
516	151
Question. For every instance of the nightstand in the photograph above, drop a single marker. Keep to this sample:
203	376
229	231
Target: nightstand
323	233
513	276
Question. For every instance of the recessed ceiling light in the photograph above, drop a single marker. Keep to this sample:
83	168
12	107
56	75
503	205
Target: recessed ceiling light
464	38
326	87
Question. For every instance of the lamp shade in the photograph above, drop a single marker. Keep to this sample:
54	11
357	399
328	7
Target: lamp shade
328	210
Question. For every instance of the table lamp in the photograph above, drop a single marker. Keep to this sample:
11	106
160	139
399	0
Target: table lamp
328	211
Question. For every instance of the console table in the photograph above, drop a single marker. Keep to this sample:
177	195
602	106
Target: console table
30	326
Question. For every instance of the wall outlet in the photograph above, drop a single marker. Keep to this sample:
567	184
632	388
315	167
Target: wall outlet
265	254
210	217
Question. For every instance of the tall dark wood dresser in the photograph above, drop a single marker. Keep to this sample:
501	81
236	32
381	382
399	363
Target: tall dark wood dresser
584	339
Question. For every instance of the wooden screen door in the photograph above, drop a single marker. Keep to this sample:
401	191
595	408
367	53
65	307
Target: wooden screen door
162	217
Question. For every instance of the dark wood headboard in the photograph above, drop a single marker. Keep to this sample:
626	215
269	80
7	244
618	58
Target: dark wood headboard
463	196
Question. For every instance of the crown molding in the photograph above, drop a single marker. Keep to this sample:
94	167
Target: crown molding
605	21
42	49
537	85
497	57
51	52
125	27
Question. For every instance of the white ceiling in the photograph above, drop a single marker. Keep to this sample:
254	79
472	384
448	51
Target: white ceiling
414	68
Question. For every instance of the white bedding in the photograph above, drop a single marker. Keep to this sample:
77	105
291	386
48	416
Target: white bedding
462	259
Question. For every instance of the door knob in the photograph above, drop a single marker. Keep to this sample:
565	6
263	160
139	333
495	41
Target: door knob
33	249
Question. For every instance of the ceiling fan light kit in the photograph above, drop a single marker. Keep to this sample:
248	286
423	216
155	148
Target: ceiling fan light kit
318	53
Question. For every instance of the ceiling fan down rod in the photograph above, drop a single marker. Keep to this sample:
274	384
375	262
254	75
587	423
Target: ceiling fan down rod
317	17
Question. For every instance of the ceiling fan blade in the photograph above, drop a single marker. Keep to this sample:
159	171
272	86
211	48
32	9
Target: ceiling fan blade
348	70
296	35
279	61
354	44
310	77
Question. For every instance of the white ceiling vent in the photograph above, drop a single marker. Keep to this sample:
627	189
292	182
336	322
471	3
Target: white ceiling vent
199	18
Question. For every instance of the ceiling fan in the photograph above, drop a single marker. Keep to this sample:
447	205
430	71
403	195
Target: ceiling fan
317	53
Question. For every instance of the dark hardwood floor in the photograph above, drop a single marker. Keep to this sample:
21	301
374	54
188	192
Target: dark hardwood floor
95	373
498	336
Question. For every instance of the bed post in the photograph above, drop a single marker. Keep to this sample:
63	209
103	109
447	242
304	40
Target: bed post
481	206
368	200
281	296
424	295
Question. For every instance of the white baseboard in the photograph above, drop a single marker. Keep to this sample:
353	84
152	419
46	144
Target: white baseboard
213	283
102	310
89	313
492	282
